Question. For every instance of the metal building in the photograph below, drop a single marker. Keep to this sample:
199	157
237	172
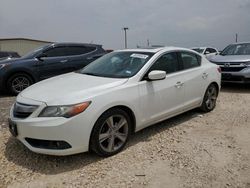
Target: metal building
20	45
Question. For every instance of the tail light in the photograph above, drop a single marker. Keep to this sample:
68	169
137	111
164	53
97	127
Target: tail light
219	69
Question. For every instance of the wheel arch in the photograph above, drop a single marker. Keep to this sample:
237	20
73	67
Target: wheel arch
216	85
128	110
8	76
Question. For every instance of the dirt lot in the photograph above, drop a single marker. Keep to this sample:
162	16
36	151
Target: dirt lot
191	150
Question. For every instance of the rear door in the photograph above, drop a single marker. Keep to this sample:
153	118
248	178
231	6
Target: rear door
79	57
194	78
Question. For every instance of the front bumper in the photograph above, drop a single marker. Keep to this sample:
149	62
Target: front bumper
54	135
242	76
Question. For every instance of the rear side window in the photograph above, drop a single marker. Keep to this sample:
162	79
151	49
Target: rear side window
79	50
211	50
190	60
167	62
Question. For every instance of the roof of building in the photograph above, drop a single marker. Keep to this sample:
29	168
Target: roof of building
34	40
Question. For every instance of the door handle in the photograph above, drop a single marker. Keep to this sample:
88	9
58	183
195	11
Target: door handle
204	75
179	84
63	61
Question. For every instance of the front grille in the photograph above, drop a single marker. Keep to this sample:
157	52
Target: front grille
231	66
23	110
231	69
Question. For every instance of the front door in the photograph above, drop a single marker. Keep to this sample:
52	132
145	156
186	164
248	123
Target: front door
162	98
53	63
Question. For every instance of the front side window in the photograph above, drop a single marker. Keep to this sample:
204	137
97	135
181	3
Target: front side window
167	62
36	51
199	50
117	64
211	50
56	52
189	60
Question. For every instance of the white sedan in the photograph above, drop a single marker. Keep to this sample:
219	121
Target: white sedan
209	52
99	107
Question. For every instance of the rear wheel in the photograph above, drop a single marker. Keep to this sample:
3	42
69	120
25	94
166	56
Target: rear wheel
18	82
210	98
111	132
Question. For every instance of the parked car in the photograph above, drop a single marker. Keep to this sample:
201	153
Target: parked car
8	55
207	51
234	61
45	62
99	106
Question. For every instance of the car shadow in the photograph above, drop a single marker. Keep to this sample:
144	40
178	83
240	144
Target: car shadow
235	88
17	153
5	95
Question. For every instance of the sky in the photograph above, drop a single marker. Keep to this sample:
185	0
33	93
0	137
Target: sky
183	23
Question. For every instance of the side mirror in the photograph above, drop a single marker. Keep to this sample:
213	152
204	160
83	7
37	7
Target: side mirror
207	52
157	75
41	56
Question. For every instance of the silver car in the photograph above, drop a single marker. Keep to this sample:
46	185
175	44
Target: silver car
234	61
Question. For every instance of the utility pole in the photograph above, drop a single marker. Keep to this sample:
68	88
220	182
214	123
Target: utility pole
125	32
236	37
148	42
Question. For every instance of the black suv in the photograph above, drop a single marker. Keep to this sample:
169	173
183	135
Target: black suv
5	55
45	62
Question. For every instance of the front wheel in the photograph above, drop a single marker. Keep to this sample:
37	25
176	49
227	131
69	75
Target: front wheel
111	132
18	83
210	98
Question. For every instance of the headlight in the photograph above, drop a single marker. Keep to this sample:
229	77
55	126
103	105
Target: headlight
64	111
247	64
2	65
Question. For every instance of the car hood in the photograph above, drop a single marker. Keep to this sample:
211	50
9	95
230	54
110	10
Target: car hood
11	60
71	88
230	58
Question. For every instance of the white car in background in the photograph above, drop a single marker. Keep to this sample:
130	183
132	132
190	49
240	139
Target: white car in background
98	107
209	52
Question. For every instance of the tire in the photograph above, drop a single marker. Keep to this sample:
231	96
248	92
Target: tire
210	98
18	82
107	139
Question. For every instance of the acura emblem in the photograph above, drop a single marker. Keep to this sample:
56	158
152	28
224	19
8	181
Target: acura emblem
227	65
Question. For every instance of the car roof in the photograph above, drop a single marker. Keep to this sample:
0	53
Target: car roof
73	44
203	47
240	43
154	50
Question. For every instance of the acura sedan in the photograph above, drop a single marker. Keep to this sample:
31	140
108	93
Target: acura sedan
100	106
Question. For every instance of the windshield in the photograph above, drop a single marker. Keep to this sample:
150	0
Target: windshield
199	50
34	52
237	49
117	64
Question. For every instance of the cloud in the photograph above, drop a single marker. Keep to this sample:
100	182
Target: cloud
168	22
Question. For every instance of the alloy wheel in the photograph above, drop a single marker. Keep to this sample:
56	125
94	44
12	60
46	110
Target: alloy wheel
211	97
20	83
113	133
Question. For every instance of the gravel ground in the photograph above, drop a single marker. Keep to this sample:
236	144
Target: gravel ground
191	150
